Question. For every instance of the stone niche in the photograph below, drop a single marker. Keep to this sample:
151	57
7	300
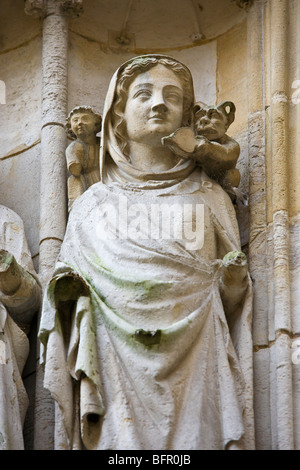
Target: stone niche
203	36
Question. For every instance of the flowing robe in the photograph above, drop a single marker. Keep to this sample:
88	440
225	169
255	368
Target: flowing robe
186	390
145	358
14	345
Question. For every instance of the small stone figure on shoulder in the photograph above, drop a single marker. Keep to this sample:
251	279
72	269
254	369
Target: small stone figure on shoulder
209	145
83	124
217	151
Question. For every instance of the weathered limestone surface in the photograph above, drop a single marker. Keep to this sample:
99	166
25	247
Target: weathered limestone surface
20	133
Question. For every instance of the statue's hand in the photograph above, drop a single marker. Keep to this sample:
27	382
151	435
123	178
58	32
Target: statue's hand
182	142
235	268
234	281
202	140
202	149
10	274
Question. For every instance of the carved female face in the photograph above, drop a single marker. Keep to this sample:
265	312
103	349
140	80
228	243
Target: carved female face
154	106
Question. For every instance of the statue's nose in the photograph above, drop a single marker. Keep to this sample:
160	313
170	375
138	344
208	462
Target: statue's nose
158	102
204	120
161	107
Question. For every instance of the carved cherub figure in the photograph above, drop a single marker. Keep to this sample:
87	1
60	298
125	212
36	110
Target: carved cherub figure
209	144
83	124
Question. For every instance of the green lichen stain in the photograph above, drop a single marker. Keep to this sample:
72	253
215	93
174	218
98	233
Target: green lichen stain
2	440
6	259
143	288
134	289
98	262
232	255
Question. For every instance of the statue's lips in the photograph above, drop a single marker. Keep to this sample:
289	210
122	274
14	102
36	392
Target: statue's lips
207	130
158	117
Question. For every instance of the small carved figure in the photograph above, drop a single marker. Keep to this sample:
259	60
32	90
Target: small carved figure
20	296
83	125
216	150
211	146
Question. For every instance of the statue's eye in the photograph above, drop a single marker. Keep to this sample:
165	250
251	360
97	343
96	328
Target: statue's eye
142	94
213	114
173	96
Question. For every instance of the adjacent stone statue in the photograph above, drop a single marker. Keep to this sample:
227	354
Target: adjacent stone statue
83	125
20	296
146	324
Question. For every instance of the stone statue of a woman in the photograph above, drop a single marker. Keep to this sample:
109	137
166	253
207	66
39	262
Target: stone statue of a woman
146	324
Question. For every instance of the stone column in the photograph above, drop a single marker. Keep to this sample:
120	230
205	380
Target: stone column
53	213
270	251
55	15
279	122
258	259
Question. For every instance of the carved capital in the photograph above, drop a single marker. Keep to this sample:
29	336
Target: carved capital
41	8
72	7
34	8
